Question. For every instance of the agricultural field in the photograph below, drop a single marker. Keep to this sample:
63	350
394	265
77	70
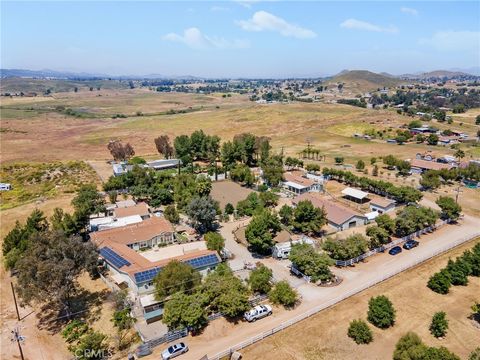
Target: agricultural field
324	336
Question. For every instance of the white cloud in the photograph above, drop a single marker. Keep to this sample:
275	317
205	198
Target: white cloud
193	38
453	40
263	20
410	11
355	24
246	3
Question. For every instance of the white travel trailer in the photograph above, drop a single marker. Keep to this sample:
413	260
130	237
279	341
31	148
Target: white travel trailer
282	250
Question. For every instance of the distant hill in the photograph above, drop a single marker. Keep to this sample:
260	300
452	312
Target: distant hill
363	80
15	85
439	74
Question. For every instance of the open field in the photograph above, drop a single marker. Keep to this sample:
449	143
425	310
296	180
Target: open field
46	134
34	182
324	336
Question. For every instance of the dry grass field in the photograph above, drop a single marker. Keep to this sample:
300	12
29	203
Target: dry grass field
32	130
324	336
228	192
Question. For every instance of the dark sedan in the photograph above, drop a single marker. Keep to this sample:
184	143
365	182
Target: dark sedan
410	244
395	250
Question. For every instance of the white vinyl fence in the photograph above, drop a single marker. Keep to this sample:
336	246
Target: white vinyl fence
315	310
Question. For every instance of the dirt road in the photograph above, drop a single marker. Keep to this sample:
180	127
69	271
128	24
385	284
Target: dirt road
221	335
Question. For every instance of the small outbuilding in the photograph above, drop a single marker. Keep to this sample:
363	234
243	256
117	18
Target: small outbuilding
382	205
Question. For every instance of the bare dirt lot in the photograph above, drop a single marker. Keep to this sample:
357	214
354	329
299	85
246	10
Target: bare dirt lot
324	336
228	192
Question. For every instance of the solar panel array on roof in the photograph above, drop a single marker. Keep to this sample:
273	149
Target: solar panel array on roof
196	263
146	275
113	258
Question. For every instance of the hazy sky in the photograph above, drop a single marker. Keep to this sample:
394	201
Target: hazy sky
240	38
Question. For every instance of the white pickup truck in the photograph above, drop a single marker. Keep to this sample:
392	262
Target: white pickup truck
258	312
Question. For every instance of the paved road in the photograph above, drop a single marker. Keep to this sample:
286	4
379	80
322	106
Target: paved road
356	278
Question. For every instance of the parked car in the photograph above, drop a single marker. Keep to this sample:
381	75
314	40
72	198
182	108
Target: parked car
258	312
395	250
410	244
174	351
143	350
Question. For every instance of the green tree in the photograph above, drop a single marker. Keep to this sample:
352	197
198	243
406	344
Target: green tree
74	330
225	293
381	312
410	347
311	263
175	277
308	218
202	212
88	201
360	165
171	214
183	149
440	282
360	332
241	173
17	240
91	346
282	293
345	249
123	321
430	180
249	205
459	154
458	271
184	310
439	325
378	236
273	170
286	214
477	120
56	262
260	279
261	230
450	209
269	198
229	209
339	160
214	241
432	139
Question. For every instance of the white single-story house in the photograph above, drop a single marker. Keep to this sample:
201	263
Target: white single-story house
338	216
298	183
382	205
121	168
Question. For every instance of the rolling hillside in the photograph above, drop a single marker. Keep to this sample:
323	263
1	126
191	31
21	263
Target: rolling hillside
363	80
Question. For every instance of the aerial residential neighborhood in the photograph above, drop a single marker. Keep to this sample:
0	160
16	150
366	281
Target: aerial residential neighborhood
240	180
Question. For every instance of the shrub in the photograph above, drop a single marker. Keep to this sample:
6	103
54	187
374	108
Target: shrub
475	354
360	332
440	282
214	241
439	324
381	312
282	293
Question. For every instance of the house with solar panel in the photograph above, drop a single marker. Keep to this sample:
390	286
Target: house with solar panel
129	267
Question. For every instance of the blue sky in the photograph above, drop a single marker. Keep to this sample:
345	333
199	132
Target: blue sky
240	38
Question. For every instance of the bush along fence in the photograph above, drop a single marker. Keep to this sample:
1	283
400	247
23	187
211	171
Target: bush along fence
350	262
228	352
177	334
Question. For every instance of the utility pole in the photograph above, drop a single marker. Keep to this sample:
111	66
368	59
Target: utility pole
19	339
15	300
458	193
